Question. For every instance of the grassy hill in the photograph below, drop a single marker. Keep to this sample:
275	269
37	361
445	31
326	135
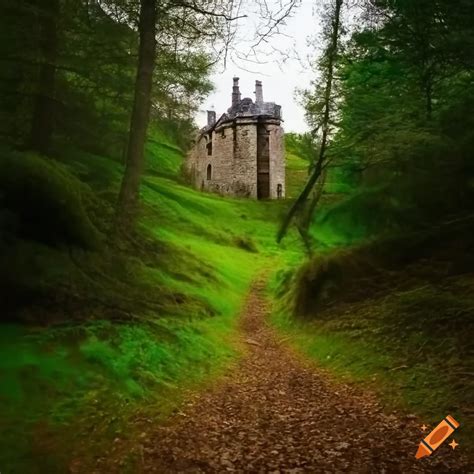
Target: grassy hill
96	325
99	330
296	174
392	313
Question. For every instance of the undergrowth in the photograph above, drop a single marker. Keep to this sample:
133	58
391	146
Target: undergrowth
392	313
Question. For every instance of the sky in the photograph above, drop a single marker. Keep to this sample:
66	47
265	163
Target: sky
284	66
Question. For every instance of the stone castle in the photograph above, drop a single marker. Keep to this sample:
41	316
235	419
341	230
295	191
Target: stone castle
242	153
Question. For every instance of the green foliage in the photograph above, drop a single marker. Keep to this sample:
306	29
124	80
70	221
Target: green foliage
43	202
95	370
394	313
302	145
402	77
94	70
139	319
362	215
335	275
141	360
246	243
162	157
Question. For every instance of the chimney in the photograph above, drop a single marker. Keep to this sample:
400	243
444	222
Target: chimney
211	118
258	92
235	92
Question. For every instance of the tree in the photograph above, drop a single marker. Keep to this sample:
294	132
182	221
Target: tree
187	23
428	37
129	190
321	106
404	75
68	78
302	145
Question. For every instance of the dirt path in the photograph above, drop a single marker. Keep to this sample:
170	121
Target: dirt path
276	413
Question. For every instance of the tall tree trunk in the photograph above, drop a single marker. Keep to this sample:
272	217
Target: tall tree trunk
129	191
42	124
320	162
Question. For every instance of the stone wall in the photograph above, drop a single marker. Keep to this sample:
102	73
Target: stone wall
244	174
222	158
263	161
197	161
277	161
234	158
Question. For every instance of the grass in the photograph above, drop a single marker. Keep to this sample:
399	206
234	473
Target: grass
94	379
101	334
417	382
296	174
395	315
96	339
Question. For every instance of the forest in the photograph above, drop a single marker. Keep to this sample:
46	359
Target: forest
148	326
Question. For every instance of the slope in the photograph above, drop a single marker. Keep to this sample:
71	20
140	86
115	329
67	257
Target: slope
90	334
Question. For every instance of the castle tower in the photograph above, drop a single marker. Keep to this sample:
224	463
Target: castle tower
241	153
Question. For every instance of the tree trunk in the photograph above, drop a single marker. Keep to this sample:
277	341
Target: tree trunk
320	162
42	124
129	191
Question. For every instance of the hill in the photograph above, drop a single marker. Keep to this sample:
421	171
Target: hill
95	323
101	331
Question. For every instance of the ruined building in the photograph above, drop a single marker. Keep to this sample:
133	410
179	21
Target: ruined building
242	153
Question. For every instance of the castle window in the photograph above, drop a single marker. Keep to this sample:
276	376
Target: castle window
209	171
209	148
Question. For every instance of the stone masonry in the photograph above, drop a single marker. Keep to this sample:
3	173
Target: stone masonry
242	153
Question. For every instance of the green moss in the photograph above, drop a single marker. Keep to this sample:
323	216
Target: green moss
44	201
163	157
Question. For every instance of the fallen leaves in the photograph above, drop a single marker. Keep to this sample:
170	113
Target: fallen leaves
275	413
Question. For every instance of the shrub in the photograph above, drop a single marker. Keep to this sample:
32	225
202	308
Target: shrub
377	266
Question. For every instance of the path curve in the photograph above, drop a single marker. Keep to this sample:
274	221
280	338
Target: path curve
276	413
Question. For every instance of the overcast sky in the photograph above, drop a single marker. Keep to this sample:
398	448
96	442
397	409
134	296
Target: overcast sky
280	78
